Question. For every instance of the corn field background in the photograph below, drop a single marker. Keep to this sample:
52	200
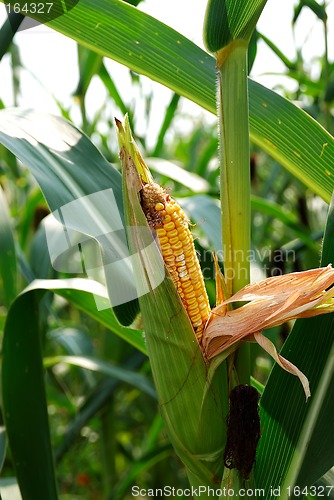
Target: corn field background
82	417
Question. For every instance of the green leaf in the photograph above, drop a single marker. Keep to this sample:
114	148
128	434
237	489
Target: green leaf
69	168
294	448
229	20
290	220
308	156
111	87
89	64
319	10
275	123
85	294
97	365
74	166
289	64
8	30
24	400
94	402
168	118
205	211
3	441
76	342
145	463
149	47
193	181
326	483
8	273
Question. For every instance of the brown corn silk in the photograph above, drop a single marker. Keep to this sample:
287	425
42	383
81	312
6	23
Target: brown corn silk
165	216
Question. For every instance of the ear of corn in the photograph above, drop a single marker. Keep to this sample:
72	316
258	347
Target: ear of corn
167	218
192	408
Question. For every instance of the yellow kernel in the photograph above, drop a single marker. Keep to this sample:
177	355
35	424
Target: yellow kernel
168	252
169	226
167	218
196	318
194	276
172	234
170	259
184	236
161	232
181	263
196	324
186	285
173	241
159	207
203	304
178	245
171	208
166	246
188	247
190	294
181	269
193	305
163	240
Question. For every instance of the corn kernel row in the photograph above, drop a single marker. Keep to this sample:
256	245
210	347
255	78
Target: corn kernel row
168	219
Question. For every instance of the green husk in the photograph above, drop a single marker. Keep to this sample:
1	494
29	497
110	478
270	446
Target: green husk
194	417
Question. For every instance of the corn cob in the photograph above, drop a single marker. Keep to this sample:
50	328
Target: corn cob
167	218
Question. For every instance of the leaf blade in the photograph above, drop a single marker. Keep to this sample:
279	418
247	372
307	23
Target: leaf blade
70	171
150	48
284	415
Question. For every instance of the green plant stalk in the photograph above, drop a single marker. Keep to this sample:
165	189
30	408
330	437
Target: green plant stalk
233	115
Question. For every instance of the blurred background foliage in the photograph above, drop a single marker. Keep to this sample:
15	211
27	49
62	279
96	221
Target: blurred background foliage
108	434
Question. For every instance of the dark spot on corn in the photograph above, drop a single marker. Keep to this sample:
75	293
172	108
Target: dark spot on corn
243	430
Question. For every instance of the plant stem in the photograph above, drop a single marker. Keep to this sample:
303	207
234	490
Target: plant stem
235	176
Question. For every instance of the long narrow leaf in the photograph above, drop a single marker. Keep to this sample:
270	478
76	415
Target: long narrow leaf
94	403
69	170
97	365
83	294
147	46
294	447
24	400
8	274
